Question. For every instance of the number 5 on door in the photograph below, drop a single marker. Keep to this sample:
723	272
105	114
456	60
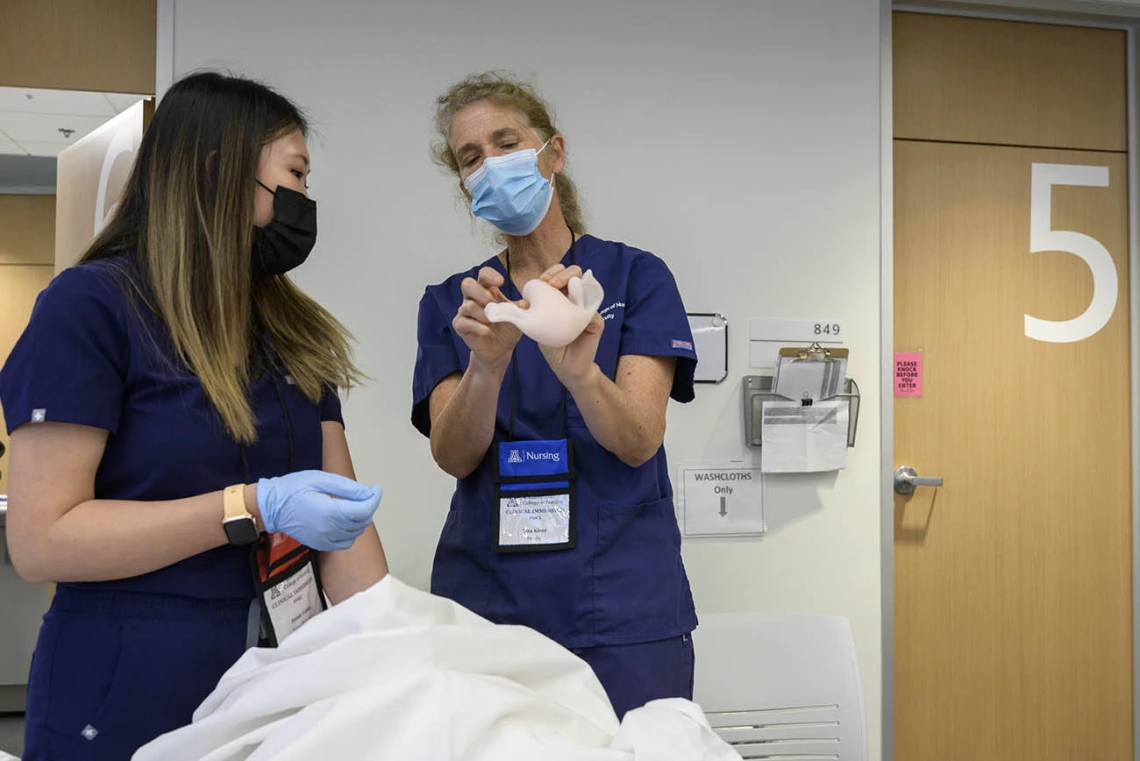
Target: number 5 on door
1089	249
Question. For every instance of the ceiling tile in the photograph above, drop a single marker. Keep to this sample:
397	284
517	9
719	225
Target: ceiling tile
44	128
17	99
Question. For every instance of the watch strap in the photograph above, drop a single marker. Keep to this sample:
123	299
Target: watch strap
233	502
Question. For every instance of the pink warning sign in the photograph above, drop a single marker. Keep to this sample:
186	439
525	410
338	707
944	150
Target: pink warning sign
908	374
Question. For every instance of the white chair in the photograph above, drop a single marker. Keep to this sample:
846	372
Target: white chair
781	686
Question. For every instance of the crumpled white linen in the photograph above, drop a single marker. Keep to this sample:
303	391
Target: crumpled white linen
396	674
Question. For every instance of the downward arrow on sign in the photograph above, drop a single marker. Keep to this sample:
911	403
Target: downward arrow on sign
723	509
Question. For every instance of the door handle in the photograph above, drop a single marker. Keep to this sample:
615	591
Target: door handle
907	480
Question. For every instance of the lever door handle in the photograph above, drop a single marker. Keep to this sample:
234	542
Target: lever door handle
907	480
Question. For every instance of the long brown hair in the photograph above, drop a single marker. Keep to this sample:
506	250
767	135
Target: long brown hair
186	218
504	90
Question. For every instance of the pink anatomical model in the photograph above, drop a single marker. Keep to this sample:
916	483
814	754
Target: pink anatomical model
552	319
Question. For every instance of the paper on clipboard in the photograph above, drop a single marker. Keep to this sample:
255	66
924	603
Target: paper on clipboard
814	373
804	439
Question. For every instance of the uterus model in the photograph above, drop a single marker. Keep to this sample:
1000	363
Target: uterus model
552	318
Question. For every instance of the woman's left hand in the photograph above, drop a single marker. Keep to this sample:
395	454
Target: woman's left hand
573	362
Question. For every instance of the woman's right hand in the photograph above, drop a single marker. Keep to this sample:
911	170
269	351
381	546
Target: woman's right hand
321	510
491	343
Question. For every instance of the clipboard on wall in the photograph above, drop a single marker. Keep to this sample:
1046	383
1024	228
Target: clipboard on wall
710	341
810	374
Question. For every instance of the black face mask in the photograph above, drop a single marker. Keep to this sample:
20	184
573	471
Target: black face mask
286	241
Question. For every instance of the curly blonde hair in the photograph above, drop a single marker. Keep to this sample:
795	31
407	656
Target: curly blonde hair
504	90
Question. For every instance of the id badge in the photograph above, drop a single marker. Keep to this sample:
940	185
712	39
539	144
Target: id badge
535	497
288	585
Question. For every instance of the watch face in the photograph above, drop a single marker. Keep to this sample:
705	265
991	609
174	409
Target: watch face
240	531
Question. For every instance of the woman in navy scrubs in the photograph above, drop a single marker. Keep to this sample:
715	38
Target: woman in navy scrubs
562	518
174	417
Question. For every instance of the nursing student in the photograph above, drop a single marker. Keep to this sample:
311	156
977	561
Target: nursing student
178	457
572	435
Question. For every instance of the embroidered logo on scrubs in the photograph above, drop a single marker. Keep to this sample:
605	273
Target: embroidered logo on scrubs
608	313
39	416
682	344
514	457
89	732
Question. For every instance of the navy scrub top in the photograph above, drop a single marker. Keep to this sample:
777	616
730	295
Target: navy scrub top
624	582
93	355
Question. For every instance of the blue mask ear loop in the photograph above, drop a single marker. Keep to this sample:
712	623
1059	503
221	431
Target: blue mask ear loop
551	181
514	354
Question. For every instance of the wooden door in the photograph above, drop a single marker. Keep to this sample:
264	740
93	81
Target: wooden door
93	45
27	257
1013	580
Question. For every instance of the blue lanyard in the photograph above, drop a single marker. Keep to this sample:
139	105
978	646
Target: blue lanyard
514	353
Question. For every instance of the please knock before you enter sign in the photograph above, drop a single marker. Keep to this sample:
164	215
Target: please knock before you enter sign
908	374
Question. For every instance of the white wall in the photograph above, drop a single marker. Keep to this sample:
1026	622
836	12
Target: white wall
738	140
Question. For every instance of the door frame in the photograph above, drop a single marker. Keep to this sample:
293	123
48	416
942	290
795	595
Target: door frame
1131	27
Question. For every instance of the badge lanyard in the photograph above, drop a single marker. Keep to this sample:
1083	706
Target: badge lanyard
285	573
536	482
514	354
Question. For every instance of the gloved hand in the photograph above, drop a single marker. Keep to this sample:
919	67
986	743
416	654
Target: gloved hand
320	510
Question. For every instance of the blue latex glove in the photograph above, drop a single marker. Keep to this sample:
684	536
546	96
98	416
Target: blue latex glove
320	510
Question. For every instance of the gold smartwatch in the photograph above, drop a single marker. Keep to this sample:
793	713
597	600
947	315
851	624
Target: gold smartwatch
238	523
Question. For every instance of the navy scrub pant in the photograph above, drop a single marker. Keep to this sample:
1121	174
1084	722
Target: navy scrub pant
114	670
635	674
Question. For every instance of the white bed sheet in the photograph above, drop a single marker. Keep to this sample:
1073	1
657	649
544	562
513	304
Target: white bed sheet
396	674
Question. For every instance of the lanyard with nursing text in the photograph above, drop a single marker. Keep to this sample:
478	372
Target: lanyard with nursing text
514	354
535	481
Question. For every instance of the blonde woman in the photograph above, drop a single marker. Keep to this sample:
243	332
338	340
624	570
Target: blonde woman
562	518
178	458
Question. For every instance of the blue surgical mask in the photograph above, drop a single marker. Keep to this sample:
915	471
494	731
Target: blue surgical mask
509	192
